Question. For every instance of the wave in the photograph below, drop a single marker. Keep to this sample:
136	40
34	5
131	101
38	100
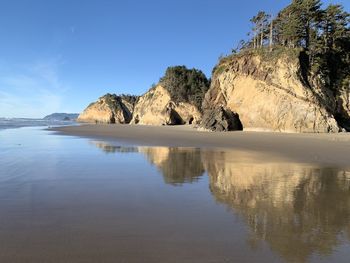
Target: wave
13	123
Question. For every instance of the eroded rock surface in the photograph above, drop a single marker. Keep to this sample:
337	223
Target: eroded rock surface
109	109
156	107
271	94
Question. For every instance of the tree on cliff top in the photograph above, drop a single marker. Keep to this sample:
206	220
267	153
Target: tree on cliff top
260	28
189	85
322	34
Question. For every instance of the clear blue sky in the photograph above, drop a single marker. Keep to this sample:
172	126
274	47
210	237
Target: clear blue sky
58	56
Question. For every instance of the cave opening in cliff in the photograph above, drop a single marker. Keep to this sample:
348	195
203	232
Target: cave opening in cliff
175	118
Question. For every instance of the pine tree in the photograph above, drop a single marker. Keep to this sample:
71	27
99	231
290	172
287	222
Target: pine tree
334	55
310	14
260	27
334	26
322	34
289	26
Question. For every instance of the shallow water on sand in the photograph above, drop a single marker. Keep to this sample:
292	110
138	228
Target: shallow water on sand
68	199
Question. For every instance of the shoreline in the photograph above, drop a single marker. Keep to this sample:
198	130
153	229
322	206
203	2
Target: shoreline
325	149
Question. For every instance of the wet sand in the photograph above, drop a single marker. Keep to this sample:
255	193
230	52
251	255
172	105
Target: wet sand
71	199
324	149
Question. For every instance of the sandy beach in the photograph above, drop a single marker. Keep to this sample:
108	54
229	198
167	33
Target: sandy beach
325	149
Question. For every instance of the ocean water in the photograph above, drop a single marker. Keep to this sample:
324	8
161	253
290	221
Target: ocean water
69	199
11	123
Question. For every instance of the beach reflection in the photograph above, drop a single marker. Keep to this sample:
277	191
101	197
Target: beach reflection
299	210
108	148
177	165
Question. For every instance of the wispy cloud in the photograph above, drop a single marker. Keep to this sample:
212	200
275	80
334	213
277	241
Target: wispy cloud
31	90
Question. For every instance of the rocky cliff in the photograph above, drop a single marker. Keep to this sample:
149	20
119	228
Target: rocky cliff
109	109
271	92
175	100
156	107
343	107
256	90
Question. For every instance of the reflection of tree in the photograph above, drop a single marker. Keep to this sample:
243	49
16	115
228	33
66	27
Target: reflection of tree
108	148
298	210
178	165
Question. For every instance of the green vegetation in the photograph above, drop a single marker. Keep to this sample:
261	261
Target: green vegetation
266	55
321	35
115	101
132	99
112	99
189	85
219	69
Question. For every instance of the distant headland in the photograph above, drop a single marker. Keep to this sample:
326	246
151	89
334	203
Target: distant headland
62	117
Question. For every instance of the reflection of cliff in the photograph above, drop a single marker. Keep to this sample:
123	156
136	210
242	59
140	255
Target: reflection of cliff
178	165
299	210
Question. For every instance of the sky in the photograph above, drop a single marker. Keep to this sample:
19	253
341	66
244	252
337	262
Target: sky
60	55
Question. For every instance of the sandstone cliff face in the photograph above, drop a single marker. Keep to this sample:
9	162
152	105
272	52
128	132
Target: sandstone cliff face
343	108
272	95
108	109
156	107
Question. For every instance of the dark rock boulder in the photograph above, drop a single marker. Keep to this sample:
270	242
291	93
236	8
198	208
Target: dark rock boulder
221	119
